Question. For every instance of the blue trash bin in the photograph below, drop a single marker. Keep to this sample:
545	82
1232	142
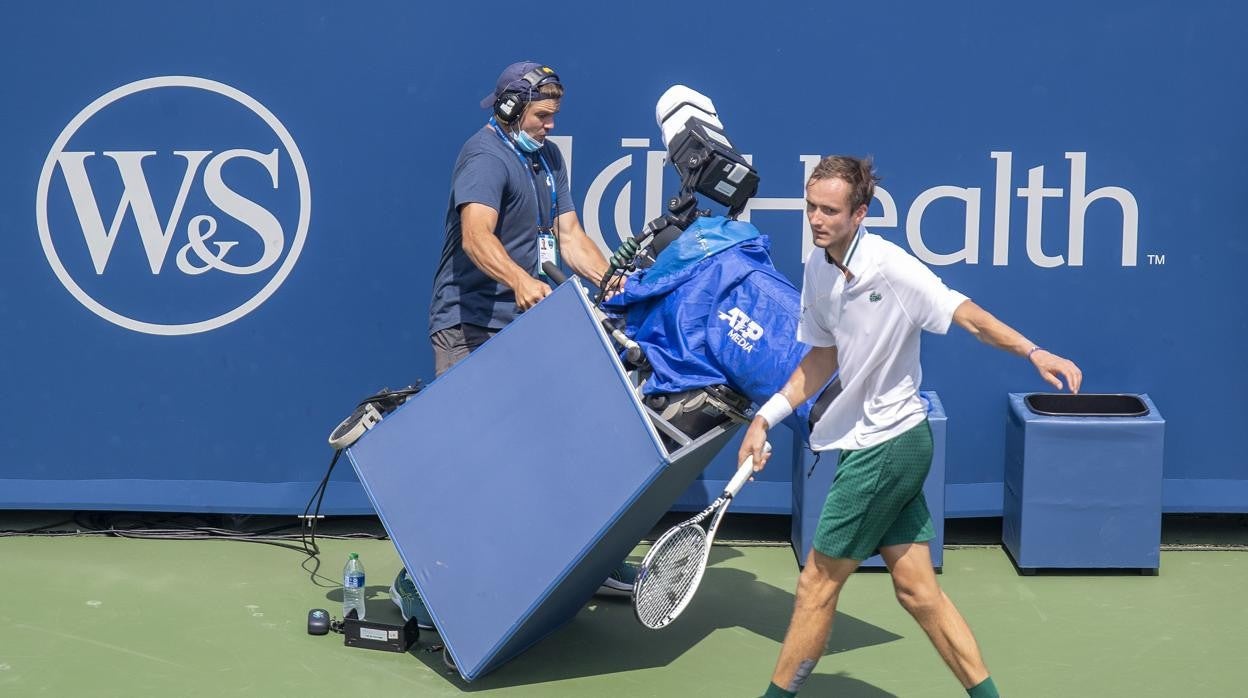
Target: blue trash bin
810	492
1083	480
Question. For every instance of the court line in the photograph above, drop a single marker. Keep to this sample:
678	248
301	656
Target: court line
97	643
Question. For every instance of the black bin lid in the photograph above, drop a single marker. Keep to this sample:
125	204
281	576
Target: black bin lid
1086	405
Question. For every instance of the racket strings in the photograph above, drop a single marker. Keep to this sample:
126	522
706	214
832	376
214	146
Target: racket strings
674	566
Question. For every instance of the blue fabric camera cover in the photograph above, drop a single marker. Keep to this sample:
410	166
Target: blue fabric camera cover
713	309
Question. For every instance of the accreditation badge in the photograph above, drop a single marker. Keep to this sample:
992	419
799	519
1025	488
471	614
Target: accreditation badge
548	250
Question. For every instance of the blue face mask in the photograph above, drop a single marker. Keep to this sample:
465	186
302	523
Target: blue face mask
526	142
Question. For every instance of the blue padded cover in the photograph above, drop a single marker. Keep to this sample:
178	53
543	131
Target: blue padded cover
514	483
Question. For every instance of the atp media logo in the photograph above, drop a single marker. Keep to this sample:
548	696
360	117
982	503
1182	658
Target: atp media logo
173	205
743	331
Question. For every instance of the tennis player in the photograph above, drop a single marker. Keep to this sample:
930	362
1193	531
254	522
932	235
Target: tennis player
864	303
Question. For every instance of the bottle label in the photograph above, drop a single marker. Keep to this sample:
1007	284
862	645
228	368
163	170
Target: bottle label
354	581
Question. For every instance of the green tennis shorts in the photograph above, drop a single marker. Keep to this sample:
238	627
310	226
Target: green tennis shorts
876	499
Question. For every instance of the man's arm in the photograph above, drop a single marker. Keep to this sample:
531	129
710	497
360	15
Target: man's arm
477	223
808	378
580	252
993	332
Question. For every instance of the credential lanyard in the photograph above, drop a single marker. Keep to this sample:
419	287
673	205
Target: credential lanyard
550	180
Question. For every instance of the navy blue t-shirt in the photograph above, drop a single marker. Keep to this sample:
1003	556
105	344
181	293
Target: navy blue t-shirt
489	171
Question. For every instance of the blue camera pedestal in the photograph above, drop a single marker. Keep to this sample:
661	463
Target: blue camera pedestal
810	493
1083	491
519	479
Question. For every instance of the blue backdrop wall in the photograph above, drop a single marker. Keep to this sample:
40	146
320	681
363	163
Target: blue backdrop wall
221	220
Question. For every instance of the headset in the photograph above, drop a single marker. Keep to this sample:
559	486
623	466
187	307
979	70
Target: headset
506	106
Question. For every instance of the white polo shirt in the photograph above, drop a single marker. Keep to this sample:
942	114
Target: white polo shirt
874	321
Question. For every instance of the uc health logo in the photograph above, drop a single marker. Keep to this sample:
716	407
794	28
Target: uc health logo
173	205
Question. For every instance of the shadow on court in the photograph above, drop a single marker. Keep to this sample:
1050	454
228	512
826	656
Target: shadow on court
605	637
841	685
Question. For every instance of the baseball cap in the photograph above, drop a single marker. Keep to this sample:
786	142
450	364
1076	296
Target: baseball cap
512	80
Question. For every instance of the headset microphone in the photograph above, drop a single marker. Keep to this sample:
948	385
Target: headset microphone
507	105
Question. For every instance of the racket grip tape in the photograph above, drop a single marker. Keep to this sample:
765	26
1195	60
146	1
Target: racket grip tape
743	473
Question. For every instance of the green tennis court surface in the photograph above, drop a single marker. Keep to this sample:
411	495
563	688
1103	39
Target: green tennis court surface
97	616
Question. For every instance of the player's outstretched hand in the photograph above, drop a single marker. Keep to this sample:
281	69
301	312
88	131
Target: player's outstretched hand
1054	368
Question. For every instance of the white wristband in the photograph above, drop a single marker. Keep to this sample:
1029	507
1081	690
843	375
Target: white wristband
775	410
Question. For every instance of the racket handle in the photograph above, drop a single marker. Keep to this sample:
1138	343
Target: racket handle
743	473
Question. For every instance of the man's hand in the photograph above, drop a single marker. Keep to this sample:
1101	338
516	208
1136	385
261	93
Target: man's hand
614	286
528	292
754	445
1051	366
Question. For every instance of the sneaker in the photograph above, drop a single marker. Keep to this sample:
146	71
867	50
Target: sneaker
447	661
619	582
404	595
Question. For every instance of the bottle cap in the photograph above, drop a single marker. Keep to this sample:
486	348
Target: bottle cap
353	556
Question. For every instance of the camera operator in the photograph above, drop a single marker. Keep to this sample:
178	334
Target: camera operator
510	210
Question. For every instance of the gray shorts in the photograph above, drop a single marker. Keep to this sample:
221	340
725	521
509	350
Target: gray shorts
452	345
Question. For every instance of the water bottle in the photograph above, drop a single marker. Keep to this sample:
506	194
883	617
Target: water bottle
353	586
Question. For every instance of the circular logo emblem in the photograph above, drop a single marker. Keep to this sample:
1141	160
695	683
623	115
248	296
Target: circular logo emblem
173	205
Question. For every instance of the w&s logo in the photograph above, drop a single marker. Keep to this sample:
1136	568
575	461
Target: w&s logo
173	205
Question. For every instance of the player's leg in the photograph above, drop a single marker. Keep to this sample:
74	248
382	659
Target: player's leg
818	589
906	551
914	580
850	526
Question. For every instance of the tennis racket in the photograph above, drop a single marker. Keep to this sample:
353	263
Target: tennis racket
672	570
